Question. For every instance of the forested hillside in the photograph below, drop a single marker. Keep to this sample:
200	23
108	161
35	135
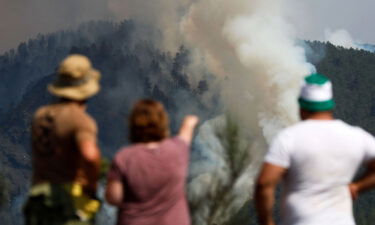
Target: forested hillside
353	75
133	67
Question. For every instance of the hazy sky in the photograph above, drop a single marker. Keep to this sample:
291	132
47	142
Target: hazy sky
23	19
312	17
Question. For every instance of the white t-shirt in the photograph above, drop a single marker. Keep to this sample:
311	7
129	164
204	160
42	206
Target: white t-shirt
321	157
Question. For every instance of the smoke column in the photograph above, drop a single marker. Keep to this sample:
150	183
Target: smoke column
248	43
250	47
251	43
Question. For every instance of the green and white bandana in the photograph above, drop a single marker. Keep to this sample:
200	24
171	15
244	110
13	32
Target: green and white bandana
316	93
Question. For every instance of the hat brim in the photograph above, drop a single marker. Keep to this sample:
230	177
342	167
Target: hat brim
80	92
316	106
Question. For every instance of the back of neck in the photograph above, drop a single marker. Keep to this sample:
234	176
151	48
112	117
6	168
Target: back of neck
307	115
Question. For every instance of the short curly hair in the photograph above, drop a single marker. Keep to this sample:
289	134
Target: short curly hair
148	122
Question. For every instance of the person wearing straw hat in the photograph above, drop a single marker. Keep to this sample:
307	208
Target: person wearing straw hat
316	159
65	156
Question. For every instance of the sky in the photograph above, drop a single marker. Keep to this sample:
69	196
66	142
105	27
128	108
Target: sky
313	19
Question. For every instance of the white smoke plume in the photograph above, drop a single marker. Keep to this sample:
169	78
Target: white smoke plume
248	43
251	48
343	38
340	37
251	43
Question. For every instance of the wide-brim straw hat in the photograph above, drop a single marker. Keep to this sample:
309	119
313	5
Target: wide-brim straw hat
76	80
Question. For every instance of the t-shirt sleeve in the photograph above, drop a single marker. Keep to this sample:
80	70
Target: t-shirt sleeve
181	142
369	146
182	149
278	154
114	172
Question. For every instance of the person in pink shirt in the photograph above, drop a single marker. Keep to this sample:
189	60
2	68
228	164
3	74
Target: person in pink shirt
147	179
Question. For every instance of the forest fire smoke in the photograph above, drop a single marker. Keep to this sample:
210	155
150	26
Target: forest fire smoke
248	43
250	47
253	45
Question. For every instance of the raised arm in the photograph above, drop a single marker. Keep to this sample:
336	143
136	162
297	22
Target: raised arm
268	179
187	128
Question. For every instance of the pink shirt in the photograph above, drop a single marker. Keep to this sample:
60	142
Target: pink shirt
154	183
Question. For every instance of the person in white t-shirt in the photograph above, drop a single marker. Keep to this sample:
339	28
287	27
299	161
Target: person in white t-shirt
316	159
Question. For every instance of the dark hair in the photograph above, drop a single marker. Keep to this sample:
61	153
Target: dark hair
148	122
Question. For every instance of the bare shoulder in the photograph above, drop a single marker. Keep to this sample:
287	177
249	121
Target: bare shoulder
80	117
40	111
